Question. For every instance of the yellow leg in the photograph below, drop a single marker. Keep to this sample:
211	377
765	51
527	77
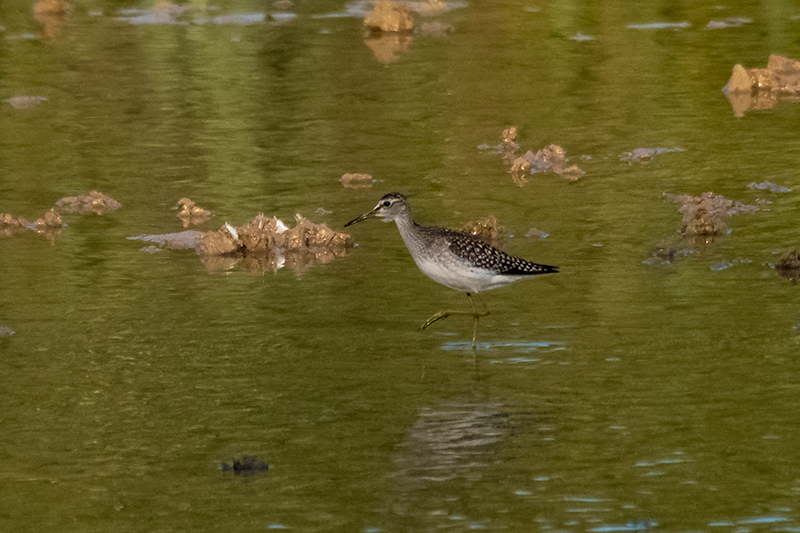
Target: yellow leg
475	314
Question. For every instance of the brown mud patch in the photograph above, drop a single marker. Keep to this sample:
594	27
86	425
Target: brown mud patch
94	202
51	222
389	17
51	16
389	28
705	216
552	158
761	88
190	213
353	180
261	245
486	229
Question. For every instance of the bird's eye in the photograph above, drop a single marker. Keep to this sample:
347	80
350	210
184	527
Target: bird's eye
387	203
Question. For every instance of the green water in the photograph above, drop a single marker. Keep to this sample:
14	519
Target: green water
614	396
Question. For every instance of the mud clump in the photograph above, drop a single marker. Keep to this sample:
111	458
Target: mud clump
352	180
9	224
246	465
487	229
789	266
552	158
706	215
50	221
759	88
389	17
190	213
265	243
50	15
508	144
95	202
388	30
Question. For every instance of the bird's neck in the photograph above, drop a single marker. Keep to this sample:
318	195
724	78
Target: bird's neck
408	230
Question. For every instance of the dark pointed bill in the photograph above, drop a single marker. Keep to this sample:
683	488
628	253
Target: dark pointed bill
363	217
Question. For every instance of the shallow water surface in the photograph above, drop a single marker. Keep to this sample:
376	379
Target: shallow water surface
652	384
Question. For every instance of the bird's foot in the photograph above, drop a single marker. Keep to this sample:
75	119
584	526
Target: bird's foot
441	315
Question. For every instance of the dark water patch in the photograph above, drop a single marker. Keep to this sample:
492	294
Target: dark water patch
788	266
664	254
246	466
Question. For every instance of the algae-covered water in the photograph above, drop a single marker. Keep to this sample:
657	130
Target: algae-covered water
654	383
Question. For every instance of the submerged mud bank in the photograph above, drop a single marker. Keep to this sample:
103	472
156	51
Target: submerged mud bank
51	222
261	245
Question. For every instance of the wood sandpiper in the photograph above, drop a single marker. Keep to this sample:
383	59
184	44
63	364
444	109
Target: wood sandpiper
453	258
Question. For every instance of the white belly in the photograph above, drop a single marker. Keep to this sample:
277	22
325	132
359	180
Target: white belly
463	279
